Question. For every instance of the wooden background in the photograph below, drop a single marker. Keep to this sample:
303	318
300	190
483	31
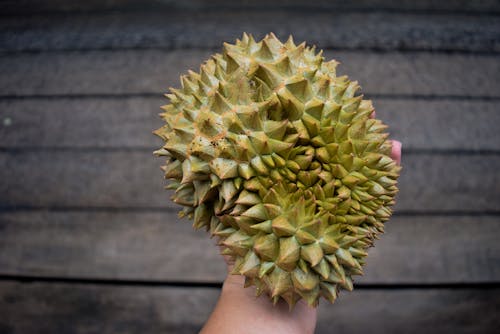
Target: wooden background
89	242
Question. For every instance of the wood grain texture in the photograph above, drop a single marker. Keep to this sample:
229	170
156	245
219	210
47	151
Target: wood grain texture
208	29
33	6
404	5
158	246
113	245
441	125
128	122
61	308
152	71
81	123
129	178
42	308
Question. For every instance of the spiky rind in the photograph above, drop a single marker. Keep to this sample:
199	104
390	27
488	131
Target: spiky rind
272	152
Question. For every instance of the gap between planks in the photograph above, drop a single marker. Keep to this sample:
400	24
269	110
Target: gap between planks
155	209
368	95
217	285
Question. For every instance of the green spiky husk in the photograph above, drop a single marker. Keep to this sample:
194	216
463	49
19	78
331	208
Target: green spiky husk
272	152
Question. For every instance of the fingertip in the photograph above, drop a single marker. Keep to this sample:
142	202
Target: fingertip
396	151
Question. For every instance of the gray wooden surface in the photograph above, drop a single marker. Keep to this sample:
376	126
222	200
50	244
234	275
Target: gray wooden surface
77	308
157	246
89	241
126	178
144	72
349	30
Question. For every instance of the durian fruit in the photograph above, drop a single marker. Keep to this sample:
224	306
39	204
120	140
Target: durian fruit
273	153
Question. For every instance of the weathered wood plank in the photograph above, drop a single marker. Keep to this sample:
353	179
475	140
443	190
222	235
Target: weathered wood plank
53	308
152	71
207	29
33	6
128	122
444	125
81	123
429	182
113	245
157	246
69	308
